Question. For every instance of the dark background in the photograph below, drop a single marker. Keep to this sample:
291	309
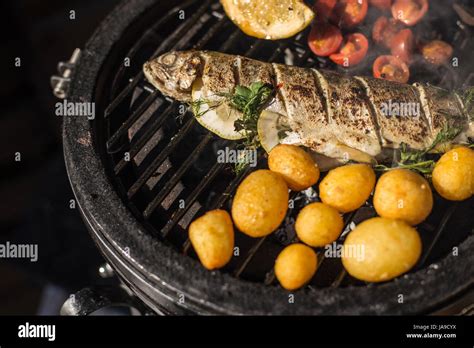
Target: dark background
35	193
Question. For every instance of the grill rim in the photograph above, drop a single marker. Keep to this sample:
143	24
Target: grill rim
172	273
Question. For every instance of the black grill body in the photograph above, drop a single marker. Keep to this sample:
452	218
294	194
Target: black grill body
132	207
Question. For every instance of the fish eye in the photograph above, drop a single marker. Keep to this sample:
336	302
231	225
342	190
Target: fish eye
169	59
192	65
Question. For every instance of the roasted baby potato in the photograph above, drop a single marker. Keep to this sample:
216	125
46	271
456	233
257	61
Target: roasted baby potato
404	195
260	203
212	236
348	187
295	266
318	224
295	166
453	175
380	249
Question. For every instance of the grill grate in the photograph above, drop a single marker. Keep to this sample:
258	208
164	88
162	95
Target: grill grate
164	163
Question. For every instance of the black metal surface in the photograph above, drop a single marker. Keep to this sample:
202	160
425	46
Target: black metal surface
128	204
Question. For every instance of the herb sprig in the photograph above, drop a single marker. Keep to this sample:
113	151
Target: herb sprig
416	159
250	101
196	106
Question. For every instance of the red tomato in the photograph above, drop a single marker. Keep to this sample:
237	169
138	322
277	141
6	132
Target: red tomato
349	13
437	52
402	45
324	8
353	52
324	39
391	68
381	4
409	12
384	30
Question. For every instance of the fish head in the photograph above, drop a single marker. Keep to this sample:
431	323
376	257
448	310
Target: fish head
174	73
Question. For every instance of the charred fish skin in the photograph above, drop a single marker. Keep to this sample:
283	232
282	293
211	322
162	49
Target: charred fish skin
303	105
351	119
438	103
399	113
328	111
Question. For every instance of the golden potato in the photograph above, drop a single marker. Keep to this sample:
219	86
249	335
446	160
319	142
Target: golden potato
380	249
260	203
404	195
212	236
348	187
318	224
295	266
295	166
453	175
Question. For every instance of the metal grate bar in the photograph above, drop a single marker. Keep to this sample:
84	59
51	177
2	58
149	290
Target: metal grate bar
123	129
254	48
182	29
150	33
340	277
439	231
176	217
122	95
321	258
159	122
222	199
229	189
177	176
136	146
230	41
134	82
251	253
211	32
167	43
150	170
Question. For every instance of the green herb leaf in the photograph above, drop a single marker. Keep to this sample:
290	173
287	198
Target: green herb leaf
197	105
250	102
447	134
416	159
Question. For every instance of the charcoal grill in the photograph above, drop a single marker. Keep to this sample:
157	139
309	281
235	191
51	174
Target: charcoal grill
143	169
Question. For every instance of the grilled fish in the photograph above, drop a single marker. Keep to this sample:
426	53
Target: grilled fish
332	114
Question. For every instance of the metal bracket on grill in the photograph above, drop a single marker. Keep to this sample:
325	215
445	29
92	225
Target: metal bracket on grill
60	84
108	299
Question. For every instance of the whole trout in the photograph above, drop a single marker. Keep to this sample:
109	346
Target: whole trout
329	112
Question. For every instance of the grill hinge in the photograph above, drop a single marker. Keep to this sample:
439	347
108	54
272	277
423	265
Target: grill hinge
60	83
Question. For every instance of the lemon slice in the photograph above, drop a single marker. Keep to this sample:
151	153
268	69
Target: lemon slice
269	19
219	118
269	126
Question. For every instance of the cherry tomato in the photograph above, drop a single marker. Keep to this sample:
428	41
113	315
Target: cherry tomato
349	13
324	39
402	45
391	68
409	12
324	8
381	4
437	52
353	51
384	30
